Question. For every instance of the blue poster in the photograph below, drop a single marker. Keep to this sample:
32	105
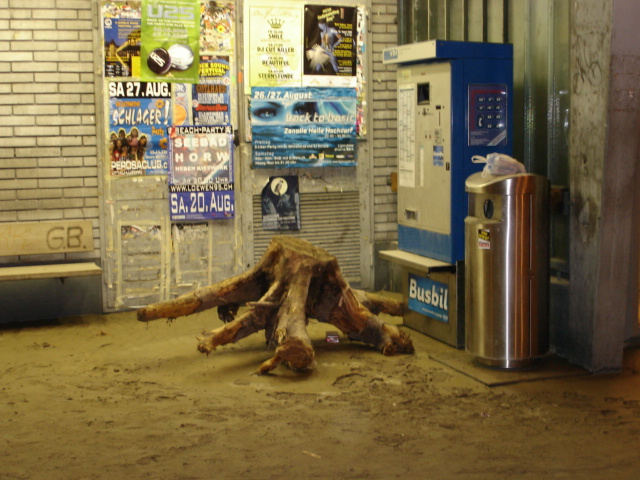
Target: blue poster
139	113
211	96
121	27
201	173
303	127
429	298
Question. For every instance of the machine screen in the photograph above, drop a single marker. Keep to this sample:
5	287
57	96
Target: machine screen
423	94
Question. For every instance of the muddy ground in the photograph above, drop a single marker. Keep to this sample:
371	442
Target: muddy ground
107	397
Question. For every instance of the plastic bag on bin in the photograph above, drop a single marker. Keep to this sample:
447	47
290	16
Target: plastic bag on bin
499	164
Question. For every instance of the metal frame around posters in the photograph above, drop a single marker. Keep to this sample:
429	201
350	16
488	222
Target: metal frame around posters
140	197
142	200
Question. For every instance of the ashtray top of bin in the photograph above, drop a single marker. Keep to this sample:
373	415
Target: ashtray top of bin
515	184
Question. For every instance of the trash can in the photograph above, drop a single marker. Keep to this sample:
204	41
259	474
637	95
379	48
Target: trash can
507	269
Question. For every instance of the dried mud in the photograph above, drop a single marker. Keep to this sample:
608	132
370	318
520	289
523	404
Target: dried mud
102	397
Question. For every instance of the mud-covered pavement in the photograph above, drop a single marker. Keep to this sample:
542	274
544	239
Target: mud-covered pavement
102	397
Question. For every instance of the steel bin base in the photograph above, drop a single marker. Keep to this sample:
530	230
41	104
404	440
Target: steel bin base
501	363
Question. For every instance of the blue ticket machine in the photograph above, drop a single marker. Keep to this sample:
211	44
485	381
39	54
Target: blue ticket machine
454	102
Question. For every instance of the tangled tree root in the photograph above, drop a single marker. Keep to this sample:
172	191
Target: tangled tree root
294	281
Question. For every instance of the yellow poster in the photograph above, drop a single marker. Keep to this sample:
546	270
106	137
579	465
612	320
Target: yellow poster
275	46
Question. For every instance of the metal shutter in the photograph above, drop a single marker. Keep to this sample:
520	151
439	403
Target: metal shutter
330	220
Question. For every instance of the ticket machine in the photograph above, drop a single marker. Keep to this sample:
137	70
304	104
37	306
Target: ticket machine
454	102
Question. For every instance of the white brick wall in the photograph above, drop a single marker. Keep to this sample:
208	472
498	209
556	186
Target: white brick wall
48	164
384	32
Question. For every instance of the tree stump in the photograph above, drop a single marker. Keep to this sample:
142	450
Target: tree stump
294	281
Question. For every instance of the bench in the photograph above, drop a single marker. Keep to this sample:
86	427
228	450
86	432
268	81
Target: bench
45	238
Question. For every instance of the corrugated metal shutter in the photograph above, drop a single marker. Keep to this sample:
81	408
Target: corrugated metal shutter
330	220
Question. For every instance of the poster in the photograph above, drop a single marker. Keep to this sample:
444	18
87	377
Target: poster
303	127
217	27
201	176
211	99
170	42
275	46
149	233
361	78
139	113
182	114
121	30
330	41
281	203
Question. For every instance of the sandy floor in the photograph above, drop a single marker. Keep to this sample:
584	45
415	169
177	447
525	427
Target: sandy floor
106	397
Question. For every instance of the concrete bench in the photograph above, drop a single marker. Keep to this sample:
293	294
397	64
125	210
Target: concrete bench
45	238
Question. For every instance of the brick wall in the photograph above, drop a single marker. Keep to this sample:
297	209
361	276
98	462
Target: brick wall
384	34
48	153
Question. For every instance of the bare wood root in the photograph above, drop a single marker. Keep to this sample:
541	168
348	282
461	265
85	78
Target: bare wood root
377	303
295	353
231	332
294	281
228	293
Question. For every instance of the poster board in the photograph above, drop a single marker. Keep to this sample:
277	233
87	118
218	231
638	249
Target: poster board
137	193
148	249
142	105
300	45
304	127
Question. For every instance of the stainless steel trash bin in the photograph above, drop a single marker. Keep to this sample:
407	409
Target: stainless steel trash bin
507	269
